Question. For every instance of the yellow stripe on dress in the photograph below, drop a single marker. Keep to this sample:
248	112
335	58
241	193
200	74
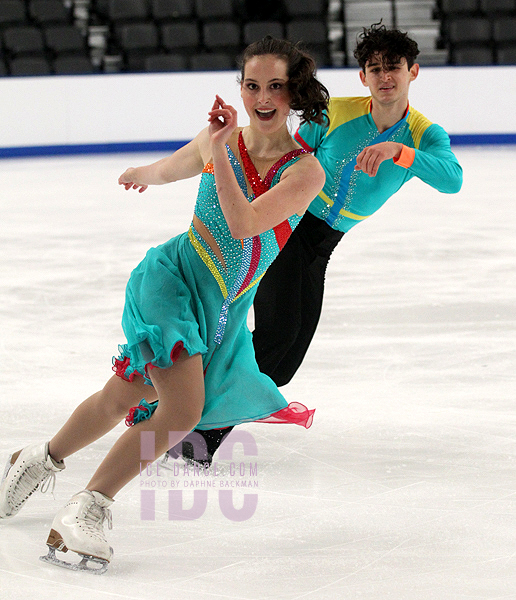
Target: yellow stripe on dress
253	283
208	261
343	212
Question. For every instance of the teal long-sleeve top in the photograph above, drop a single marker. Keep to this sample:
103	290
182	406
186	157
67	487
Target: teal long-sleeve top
350	196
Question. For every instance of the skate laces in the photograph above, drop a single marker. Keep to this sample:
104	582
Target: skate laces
30	479
49	479
94	518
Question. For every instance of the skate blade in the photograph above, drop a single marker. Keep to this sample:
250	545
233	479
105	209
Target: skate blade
52	559
168	460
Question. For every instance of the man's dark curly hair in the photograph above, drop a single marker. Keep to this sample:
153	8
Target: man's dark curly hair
392	44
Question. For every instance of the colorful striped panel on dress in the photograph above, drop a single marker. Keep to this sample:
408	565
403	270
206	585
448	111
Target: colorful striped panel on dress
259	186
207	260
252	246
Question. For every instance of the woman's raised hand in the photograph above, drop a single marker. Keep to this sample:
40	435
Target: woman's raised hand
223	121
127	180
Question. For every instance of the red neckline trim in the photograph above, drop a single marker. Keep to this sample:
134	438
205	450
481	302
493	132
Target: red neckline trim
259	185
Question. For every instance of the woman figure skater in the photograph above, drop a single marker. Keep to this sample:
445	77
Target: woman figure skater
189	352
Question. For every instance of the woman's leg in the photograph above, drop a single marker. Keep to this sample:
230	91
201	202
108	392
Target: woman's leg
180	390
31	467
98	414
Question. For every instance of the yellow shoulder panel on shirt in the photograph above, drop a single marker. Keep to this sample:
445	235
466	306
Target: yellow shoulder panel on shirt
342	110
418	124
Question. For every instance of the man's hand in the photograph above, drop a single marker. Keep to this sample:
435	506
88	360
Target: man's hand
370	159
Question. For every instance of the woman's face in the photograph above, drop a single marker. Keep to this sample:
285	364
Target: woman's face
265	92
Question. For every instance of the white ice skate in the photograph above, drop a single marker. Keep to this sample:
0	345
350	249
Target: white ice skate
78	527
25	471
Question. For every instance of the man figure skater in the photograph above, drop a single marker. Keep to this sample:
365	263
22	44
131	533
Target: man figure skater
369	148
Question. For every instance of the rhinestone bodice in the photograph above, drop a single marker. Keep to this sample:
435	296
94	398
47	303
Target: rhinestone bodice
264	247
245	261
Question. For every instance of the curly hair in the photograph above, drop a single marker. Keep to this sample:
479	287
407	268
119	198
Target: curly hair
308	96
391	44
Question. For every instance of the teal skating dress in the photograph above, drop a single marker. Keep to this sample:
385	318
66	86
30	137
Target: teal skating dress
181	296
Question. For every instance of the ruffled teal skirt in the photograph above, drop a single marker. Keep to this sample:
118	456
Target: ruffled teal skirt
173	302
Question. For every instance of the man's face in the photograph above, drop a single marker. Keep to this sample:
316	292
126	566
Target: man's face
388	83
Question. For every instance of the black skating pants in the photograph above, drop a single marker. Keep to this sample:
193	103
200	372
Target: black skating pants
288	303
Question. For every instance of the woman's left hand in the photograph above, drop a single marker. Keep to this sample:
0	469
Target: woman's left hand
223	121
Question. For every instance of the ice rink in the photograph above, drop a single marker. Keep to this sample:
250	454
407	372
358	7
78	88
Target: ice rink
405	486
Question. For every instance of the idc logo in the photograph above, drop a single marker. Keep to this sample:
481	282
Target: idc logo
225	477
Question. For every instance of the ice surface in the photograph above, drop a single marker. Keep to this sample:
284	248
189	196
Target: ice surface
405	486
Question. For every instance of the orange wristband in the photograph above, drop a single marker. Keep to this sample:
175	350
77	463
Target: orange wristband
406	157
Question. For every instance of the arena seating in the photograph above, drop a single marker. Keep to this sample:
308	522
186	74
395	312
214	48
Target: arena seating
39	37
44	12
12	12
478	32
95	36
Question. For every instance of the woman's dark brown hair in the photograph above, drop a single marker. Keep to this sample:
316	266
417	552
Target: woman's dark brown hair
308	96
